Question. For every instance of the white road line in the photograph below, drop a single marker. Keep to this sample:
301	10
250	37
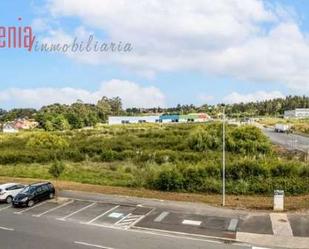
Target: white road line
52	209
27	209
6	229
192	222
256	247
98	217
136	221
122	219
92	245
5	207
82	209
140	218
280	224
233	225
165	233
161	217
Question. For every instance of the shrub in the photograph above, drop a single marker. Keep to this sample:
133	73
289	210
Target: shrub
169	179
47	141
285	169
56	169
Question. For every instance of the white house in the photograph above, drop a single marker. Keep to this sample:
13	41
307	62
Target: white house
8	128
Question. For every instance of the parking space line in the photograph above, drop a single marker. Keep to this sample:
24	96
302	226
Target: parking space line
233	225
255	247
161	216
192	222
122	219
71	214
52	209
129	221
6	207
92	245
101	215
6	229
140	218
27	209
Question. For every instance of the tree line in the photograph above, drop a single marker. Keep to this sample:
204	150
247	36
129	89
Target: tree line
79	114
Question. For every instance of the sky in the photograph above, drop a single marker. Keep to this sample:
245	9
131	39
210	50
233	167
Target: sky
182	52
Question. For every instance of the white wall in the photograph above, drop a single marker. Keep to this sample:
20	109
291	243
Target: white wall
132	120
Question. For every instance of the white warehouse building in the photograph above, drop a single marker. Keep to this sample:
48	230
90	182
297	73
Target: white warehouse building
297	113
133	119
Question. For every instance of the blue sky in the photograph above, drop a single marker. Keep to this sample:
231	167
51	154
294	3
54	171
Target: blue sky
202	52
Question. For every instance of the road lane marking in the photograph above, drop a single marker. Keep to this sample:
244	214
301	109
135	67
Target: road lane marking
27	209
192	222
92	245
82	209
129	221
5	207
281	225
52	209
98	217
122	219
161	216
6	229
167	233
233	225
256	247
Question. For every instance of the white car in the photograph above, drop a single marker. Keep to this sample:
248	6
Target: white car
9	190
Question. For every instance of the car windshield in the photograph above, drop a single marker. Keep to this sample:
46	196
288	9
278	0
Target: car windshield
28	189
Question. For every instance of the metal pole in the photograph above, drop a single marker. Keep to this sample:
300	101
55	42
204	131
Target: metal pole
223	158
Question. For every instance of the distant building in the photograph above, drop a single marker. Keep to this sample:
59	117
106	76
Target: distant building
132	119
9	128
166	118
297	113
19	124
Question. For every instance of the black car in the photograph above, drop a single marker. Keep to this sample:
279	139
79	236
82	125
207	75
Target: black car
34	193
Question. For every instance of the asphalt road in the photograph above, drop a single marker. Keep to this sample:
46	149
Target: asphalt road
289	141
23	230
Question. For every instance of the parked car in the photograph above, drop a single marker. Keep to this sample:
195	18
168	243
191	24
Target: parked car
284	128
9	190
34	193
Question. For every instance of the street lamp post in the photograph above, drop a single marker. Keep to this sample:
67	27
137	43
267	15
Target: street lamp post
223	158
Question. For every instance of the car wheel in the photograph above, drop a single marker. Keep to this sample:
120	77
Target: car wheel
9	199
51	196
30	203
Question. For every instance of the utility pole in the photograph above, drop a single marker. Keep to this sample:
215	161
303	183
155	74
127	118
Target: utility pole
223	158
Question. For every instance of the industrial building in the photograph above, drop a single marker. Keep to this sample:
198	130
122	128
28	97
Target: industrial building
297	113
166	118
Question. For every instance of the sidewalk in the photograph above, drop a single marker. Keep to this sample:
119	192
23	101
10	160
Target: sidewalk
267	229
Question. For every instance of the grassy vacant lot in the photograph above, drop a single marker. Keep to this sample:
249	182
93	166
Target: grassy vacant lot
298	125
173	158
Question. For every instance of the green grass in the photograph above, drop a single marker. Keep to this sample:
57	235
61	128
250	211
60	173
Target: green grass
87	172
179	157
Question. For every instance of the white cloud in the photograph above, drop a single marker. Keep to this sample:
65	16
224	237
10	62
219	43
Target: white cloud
132	95
236	97
226	38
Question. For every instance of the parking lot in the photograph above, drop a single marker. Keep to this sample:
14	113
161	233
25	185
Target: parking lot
97	213
101	216
84	212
